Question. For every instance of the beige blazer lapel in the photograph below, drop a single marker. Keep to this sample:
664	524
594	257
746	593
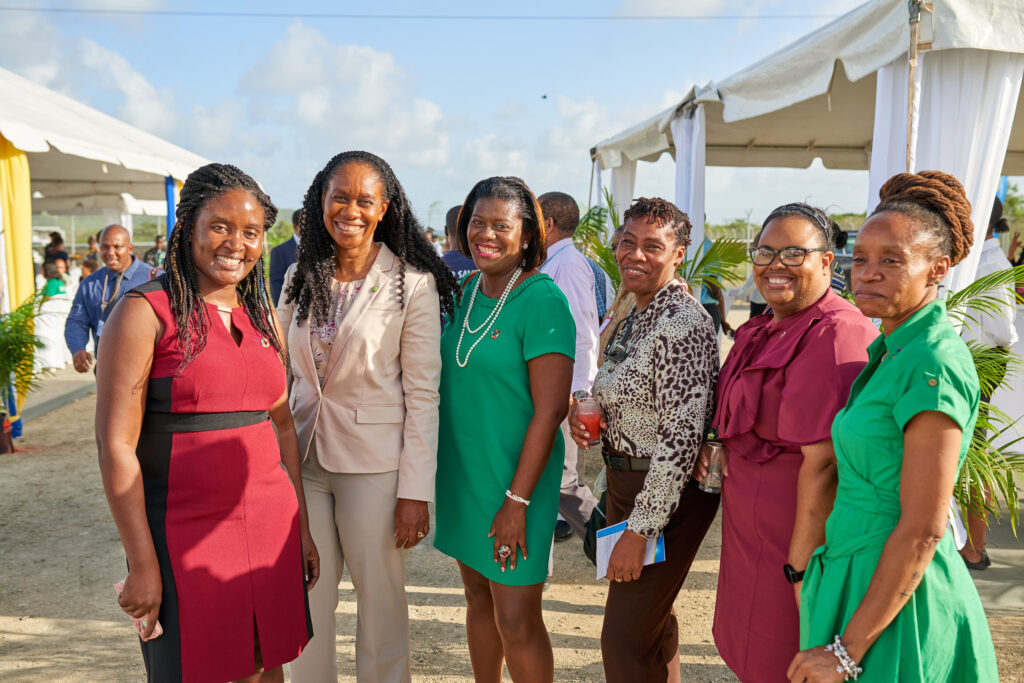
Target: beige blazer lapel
301	351
373	286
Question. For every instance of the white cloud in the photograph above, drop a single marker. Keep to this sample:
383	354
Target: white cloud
346	96
143	105
30	46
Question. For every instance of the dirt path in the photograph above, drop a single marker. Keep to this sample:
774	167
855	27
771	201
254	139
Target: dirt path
59	555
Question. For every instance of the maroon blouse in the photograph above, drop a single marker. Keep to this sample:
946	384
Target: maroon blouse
785	380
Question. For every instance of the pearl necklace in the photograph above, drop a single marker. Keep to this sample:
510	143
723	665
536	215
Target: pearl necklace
489	321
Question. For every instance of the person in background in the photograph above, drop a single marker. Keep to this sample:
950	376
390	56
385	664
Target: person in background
785	378
504	391
283	256
94	248
54	282
604	292
155	255
887	597
712	300
656	391
748	290
571	272
89	266
995	329
620	307
432	241
99	292
363	308
55	250
197	449
840	278
62	271
460	264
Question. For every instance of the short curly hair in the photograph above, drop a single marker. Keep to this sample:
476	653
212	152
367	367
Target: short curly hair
662	213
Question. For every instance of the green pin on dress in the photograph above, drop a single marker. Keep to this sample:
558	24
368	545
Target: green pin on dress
374	288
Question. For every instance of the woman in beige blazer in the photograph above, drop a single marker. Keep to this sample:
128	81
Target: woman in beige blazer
363	307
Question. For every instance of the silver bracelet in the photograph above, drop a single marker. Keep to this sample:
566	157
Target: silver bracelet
518	499
846	665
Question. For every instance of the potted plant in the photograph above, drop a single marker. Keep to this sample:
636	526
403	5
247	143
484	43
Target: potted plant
18	376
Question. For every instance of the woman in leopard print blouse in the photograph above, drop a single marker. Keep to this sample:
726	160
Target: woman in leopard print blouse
655	388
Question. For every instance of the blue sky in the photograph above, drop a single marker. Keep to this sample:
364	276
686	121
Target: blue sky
445	101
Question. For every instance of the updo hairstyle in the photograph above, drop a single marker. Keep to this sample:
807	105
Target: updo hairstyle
938	203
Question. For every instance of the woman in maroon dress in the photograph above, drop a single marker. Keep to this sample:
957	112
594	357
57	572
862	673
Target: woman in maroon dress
190	376
787	376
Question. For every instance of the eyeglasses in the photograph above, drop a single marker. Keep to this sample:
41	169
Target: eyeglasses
790	256
616	350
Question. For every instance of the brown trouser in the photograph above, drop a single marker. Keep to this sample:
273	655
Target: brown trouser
640	636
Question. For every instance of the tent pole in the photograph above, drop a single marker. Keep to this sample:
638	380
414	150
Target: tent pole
914	6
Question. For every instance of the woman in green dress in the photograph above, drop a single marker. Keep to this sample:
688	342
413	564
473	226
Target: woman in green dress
507	367
888	597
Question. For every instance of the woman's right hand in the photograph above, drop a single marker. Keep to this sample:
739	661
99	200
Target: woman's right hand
700	468
140	597
578	431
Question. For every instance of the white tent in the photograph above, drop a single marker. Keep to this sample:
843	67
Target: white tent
83	160
841	93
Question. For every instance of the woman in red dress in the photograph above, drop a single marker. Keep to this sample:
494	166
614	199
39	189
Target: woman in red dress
785	379
190	387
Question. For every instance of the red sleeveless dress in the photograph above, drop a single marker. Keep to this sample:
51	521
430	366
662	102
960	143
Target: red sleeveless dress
221	507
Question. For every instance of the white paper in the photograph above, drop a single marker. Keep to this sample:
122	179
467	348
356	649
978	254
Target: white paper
606	539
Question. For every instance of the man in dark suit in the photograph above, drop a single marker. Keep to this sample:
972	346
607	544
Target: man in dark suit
282	256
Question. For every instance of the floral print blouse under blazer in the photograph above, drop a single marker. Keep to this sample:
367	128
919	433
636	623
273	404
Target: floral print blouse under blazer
659	399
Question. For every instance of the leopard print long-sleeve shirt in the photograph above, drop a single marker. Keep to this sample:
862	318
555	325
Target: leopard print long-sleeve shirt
658	400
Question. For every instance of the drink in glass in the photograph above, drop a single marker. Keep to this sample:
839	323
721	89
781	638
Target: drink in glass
588	411
712	482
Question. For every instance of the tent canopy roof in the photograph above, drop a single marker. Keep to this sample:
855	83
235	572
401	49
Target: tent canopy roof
77	154
816	96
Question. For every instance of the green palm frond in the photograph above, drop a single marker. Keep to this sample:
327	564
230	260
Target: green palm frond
982	295
592	226
609	202
716	265
18	347
604	256
994	460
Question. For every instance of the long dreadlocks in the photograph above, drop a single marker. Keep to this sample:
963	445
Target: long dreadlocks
311	285
187	304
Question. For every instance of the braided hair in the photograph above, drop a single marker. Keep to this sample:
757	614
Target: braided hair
187	305
310	286
834	237
938	202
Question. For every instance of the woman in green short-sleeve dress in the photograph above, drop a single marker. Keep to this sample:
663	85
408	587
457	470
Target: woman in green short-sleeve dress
889	582
505	383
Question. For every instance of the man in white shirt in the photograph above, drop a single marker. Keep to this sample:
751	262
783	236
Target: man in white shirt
571	272
991	328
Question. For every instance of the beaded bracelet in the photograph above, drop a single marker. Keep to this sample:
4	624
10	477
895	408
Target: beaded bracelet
846	665
518	499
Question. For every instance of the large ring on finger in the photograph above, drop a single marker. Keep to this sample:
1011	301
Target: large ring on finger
504	551
420	534
619	579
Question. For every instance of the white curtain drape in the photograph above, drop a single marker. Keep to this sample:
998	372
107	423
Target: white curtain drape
689	136
623	184
598	187
888	147
968	101
112	216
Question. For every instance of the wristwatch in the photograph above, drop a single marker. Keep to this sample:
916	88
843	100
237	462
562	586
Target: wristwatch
792	575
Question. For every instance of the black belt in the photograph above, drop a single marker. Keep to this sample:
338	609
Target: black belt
614	460
201	422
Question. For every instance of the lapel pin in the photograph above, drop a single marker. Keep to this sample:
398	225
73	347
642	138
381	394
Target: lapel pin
494	335
374	288
264	342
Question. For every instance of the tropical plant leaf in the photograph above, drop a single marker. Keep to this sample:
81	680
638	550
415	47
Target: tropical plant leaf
18	347
716	265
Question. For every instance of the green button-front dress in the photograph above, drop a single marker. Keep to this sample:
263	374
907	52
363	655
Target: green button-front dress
485	409
941	634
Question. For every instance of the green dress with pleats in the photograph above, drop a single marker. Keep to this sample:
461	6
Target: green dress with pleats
485	410
941	634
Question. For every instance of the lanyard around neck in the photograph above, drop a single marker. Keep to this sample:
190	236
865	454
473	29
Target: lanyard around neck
105	300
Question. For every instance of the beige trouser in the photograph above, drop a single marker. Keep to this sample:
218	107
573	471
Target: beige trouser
352	519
